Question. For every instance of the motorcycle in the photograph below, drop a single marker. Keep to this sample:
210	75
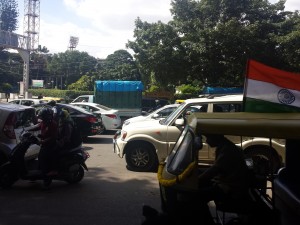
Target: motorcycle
70	166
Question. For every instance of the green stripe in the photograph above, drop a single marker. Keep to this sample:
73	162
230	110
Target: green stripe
255	105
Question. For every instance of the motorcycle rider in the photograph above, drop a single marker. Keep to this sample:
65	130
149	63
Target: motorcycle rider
48	127
52	103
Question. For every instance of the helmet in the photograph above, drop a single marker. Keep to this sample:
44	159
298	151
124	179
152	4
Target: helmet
52	103
46	114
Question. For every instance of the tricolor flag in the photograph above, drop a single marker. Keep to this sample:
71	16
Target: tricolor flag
271	90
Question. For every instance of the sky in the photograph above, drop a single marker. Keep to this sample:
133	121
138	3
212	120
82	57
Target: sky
102	26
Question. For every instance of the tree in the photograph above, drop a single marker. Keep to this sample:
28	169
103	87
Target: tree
11	68
211	40
220	36
69	66
118	66
288	42
85	83
8	15
159	53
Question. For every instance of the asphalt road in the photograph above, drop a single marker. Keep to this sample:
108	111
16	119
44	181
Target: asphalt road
108	194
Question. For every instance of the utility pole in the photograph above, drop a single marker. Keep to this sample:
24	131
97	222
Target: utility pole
31	30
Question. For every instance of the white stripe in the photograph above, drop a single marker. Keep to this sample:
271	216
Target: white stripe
268	92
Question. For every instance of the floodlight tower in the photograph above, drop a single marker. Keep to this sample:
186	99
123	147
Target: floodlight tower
73	43
32	23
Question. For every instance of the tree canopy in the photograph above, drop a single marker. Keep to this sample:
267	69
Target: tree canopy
207	43
8	15
211	40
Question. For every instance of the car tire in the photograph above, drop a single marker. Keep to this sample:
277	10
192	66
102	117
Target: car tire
268	153
141	157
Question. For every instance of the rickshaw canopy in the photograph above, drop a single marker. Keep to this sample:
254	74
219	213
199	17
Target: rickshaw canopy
270	125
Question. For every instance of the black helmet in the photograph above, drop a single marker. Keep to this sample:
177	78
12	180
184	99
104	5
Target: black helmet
46	114
52	103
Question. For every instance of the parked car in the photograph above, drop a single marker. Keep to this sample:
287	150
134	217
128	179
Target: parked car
145	144
148	104
110	117
48	99
27	101
13	119
88	123
160	113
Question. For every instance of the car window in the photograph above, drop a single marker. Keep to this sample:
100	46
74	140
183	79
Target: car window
24	118
15	102
82	99
165	112
103	107
93	109
74	109
227	107
200	107
27	102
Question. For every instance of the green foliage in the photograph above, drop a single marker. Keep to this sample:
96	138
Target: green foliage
6	88
70	66
153	88
85	83
8	15
188	89
159	53
11	69
211	41
118	66
68	95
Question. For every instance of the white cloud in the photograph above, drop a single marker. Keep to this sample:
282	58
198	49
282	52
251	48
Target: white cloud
102	26
292	5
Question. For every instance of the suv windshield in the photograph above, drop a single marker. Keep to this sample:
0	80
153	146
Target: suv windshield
173	114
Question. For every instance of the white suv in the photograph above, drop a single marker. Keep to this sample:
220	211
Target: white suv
147	143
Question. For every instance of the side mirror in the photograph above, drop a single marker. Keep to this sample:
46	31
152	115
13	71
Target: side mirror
155	116
179	122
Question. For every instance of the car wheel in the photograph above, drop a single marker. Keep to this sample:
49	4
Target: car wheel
141	157
268	153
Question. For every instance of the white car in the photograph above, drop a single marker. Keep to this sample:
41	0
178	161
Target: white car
27	101
145	144
110	117
160	113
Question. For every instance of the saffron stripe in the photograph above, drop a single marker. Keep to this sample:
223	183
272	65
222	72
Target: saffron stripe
261	72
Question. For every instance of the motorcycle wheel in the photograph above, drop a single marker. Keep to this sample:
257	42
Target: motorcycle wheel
75	176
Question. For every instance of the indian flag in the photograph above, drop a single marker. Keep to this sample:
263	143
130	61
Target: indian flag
271	90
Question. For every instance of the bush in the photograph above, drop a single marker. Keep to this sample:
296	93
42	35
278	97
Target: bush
68	95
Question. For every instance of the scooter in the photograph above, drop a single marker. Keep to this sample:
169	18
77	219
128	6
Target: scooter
70	165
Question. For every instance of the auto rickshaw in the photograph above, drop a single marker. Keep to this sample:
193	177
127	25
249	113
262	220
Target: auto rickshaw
278	193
